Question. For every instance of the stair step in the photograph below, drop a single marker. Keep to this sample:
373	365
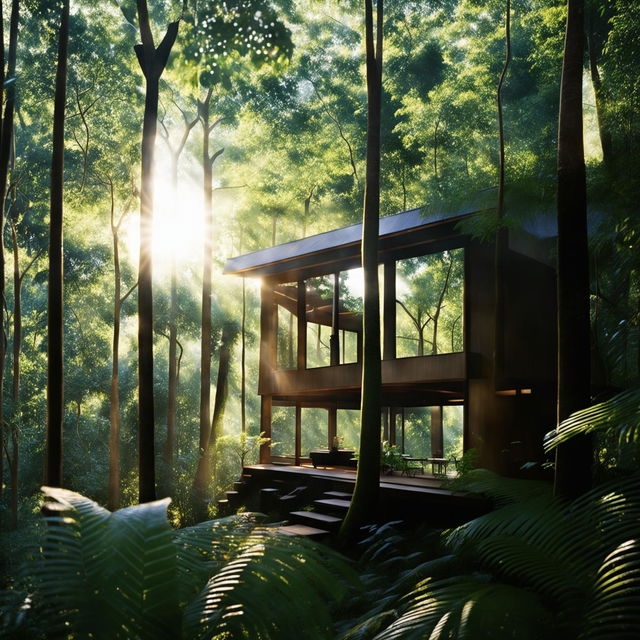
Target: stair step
333	504
238	485
321	519
302	530
231	494
338	494
246	476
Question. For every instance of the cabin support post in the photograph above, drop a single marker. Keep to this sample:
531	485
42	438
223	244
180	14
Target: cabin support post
302	325
437	435
298	436
332	424
389	311
334	340
265	428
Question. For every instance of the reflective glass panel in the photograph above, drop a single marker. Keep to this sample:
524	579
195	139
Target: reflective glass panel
314	430
286	298
283	431
429	304
319	305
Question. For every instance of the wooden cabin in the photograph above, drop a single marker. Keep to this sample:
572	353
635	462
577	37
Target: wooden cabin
437	305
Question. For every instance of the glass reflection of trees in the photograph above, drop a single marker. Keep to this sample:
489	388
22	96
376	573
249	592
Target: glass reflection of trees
429	304
283	431
314	429
286	297
351	307
319	301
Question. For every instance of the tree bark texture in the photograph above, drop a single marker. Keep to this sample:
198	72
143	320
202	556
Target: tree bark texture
55	369
501	238
152	62
365	496
573	458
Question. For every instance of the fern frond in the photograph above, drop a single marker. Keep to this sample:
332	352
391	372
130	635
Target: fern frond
619	415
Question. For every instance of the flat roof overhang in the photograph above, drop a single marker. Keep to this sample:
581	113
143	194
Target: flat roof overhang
341	247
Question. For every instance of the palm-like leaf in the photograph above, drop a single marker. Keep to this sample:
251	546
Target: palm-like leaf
228	602
619	415
128	575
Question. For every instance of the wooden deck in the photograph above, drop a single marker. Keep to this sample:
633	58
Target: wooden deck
420	499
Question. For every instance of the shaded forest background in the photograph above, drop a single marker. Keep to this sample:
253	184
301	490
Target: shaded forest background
263	110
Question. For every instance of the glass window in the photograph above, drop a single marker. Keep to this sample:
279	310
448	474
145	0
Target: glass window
348	428
429	304
350	321
286	297
452	430
319	305
314	430
283	431
417	431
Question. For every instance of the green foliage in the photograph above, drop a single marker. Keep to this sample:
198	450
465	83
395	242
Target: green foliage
128	575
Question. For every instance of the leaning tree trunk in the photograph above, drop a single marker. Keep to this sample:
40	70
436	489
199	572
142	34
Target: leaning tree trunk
222	392
152	62
365	496
573	458
201	480
55	371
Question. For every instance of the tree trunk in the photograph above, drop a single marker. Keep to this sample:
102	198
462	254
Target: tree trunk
243	375
172	384
365	496
499	326
573	458
6	134
603	128
113	489
55	370
152	62
202	472
17	321
222	386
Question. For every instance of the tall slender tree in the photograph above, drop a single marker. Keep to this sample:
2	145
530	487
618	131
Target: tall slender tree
172	382
6	136
365	495
208	161
152	62
55	370
574	457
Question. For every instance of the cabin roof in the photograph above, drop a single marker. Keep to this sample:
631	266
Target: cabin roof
287	256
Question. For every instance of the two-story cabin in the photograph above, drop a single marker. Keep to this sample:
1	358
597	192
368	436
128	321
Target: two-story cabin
438	392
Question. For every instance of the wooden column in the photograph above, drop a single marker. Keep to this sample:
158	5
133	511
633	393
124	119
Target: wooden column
385	423
332	424
334	340
437	435
389	311
268	328
392	425
265	428
302	325
402	448
298	444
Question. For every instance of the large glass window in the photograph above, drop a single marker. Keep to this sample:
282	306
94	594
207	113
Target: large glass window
286	297
452	430
283	431
350	321
429	304
348	428
319	303
417	432
314	430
